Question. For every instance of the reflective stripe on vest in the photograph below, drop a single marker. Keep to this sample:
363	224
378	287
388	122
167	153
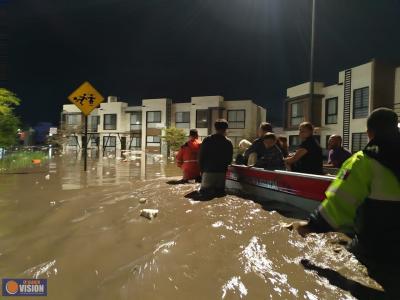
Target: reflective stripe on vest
360	177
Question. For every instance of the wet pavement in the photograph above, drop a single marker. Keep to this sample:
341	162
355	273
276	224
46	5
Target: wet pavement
84	232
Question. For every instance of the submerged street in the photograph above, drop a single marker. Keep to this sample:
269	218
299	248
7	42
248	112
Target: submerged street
85	234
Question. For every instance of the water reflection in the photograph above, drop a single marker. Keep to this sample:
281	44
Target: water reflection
110	171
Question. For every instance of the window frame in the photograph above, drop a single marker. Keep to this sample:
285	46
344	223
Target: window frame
106	124
356	110
152	111
327	114
138	144
197	118
362	141
235	121
301	103
153	143
109	138
182	124
75	115
290	139
138	126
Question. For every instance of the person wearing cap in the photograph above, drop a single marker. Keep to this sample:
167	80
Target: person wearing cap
216	153
187	158
364	199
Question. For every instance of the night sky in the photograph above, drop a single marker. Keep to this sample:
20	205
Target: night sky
240	49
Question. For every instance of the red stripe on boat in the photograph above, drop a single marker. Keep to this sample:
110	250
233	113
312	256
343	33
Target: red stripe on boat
303	185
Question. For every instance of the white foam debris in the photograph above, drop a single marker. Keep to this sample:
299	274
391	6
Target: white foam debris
52	203
107	173
218	224
47	177
142	200
149	213
234	285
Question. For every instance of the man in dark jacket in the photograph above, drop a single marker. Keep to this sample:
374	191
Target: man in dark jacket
215	155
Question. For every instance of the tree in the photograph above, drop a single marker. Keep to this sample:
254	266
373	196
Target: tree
8	122
8	100
8	129
175	138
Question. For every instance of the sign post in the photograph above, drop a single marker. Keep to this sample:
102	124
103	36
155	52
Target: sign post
86	98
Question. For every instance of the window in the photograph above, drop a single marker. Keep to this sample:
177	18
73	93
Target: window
359	141
297	115
360	103
136	142
94	140
73	119
294	141
73	141
182	119
109	141
136	120
154	117
94	121
236	118
327	141
110	122
153	141
202	118
331	110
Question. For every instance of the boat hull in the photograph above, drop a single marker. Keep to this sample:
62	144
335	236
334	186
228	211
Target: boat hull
304	191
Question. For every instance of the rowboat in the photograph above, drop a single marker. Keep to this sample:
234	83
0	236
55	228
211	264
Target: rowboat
304	191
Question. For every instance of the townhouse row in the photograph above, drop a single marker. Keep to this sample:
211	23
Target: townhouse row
116	126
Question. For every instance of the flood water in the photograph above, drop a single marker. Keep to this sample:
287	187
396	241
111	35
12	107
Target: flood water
84	232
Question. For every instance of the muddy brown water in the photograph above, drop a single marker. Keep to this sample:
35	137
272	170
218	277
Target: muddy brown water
84	233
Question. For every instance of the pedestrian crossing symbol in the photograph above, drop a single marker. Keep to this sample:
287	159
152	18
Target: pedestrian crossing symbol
86	98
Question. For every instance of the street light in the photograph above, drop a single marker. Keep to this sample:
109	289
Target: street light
312	59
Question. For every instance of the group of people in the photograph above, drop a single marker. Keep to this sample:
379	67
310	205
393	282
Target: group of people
271	152
207	161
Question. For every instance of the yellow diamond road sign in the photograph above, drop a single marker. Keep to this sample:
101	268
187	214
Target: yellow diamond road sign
86	98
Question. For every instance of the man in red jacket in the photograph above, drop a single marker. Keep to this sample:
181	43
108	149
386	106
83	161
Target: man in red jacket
187	157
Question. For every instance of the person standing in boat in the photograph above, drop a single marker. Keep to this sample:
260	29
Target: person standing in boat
364	200
308	157
215	155
272	157
187	158
337	154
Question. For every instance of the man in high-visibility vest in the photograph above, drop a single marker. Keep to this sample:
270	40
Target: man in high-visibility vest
364	199
187	158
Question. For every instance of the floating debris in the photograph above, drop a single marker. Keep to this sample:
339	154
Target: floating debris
142	200
47	177
149	213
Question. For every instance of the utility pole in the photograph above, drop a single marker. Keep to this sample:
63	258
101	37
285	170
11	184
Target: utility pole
312	61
